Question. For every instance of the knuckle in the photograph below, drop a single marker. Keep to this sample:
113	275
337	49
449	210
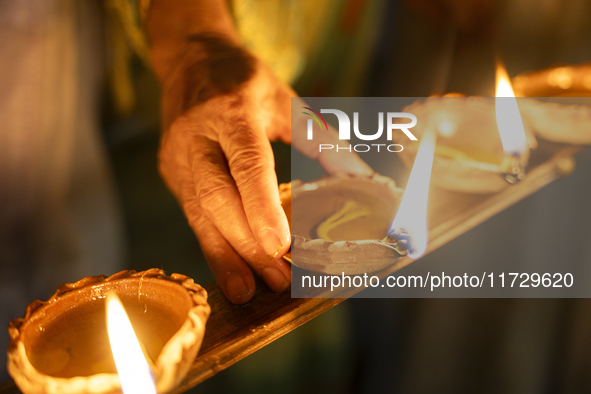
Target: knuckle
246	157
211	195
205	157
248	173
252	160
239	130
194	216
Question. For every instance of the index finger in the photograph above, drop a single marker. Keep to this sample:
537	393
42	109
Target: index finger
251	163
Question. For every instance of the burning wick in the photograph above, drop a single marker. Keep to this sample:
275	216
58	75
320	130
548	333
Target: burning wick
409	227
135	374
510	128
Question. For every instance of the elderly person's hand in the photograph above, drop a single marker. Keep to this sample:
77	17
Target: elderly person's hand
221	107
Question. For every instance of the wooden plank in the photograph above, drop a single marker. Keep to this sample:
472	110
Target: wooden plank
233	332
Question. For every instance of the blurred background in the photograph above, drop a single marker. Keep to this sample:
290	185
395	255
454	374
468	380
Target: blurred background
112	211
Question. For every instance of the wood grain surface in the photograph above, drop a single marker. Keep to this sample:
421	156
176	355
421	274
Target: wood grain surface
233	332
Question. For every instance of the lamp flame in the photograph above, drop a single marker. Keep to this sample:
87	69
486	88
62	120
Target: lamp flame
509	120
410	223
135	374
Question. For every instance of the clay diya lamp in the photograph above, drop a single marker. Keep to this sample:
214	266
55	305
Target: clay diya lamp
558	81
340	224
469	156
565	120
61	346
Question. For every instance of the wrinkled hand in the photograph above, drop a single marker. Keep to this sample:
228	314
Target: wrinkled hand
217	160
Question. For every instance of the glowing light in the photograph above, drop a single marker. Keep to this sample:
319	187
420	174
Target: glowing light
561	77
410	224
446	128
508	117
135	374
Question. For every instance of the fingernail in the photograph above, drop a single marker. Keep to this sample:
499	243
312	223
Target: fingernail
275	279
238	290
271	243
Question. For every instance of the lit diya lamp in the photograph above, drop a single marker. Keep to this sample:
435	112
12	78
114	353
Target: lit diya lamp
566	120
359	224
558	81
482	145
62	346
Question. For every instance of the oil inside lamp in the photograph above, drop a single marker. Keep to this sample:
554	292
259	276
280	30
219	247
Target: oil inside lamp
135	374
409	227
511	129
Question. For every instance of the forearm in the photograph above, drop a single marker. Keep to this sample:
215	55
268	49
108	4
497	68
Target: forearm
171	23
196	53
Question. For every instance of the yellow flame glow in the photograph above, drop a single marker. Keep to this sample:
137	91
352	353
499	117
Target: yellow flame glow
410	224
508	117
135	374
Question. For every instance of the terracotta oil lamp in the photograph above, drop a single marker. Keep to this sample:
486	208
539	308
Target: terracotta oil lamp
470	156
61	345
567	120
340	224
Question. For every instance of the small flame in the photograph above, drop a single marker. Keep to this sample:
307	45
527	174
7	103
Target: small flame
135	374
508	117
410	224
